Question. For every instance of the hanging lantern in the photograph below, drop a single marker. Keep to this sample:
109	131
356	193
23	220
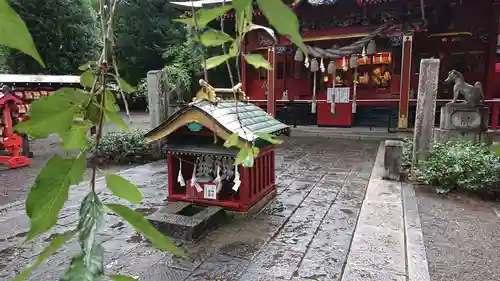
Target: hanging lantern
353	61
299	56
344	64
306	62
371	48
314	65
331	67
322	65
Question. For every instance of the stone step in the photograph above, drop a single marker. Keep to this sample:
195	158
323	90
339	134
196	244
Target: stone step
186	221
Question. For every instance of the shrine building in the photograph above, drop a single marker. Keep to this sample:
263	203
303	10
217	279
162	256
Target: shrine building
362	64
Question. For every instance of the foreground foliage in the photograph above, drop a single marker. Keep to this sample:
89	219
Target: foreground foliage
461	165
66	33
70	113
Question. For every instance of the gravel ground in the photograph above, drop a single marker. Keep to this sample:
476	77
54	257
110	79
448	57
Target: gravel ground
15	183
461	236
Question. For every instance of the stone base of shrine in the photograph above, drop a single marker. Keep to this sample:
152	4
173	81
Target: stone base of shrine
187	221
256	208
443	135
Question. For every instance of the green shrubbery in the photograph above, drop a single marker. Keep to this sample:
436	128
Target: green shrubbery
124	148
457	165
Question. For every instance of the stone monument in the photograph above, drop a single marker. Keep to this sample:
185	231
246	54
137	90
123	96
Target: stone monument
467	120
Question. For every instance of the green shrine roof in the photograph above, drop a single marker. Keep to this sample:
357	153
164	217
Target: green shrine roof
225	115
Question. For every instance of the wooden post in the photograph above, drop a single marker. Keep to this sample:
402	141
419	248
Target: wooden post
426	110
404	88
158	101
271	101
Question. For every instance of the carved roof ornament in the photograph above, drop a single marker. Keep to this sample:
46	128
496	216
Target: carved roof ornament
209	93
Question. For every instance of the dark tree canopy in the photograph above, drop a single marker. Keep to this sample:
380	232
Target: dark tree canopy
66	33
144	30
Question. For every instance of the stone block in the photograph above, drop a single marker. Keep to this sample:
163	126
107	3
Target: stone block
442	135
462	117
392	160
188	223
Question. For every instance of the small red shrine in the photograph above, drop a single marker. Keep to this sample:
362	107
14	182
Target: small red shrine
26	89
202	171
363	58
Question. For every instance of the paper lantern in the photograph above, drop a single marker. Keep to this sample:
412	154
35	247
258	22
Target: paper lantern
322	65
314	65
371	48
299	56
353	61
332	67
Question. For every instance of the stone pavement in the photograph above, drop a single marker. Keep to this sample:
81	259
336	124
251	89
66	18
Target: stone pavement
304	234
461	235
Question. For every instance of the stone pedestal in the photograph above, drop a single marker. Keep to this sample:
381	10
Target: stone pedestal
462	117
442	135
460	121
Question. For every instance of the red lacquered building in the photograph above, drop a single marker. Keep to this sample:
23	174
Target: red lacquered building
375	83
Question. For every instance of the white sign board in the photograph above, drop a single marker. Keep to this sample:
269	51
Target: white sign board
338	94
210	191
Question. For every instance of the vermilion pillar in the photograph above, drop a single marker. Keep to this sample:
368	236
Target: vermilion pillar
404	98
271	101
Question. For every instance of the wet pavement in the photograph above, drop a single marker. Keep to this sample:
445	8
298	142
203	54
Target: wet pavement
461	235
304	234
14	183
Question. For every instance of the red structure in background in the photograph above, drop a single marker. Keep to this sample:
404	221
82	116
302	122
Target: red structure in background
463	34
29	88
12	142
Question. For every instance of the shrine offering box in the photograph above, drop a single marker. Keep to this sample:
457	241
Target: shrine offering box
201	170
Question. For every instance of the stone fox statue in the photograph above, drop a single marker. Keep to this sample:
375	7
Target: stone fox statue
473	95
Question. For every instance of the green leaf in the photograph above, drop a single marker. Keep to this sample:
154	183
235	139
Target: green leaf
87	79
87	66
204	16
242	155
244	15
232	140
234	48
76	137
266	29
269	138
126	87
93	111
121	278
217	60
79	270
282	18
55	244
142	225
15	34
240	5
123	188
213	37
258	61
110	116
91	218
110	102
249	160
246	156
115	118
54	113
50	191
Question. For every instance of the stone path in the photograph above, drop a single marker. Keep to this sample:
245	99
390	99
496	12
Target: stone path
462	236
304	234
14	183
